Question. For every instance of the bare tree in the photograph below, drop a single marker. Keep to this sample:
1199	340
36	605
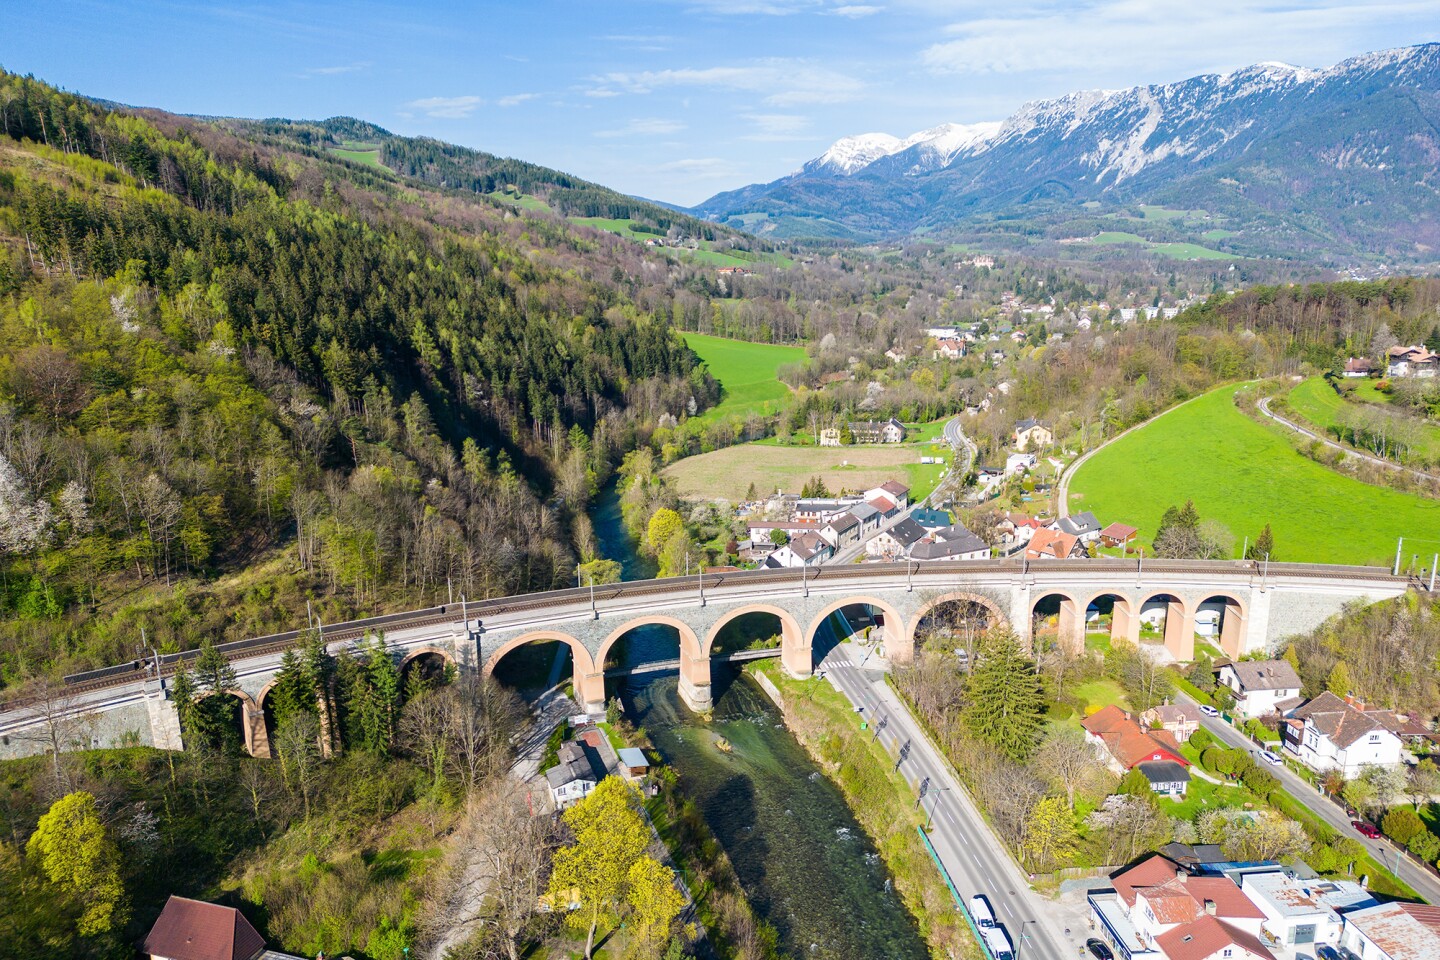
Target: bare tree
1068	761
60	725
297	744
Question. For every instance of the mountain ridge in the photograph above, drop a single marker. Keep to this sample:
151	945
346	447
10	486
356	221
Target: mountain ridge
1121	146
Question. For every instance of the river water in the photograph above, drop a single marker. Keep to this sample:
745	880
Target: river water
804	862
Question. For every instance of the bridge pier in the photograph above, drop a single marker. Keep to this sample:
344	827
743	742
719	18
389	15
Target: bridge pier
695	695
1180	630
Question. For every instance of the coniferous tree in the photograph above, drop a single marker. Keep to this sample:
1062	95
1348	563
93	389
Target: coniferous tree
1005	700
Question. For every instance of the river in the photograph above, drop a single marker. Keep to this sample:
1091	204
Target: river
803	860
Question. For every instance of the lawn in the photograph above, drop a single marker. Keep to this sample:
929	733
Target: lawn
728	473
1245	475
1317	401
1101	693
746	371
524	201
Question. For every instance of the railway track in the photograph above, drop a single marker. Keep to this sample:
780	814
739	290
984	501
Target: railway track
609	595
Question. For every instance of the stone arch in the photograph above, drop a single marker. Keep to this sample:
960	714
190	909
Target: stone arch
252	721
899	643
1234	623
589	681
694	663
997	615
1071	621
1179	623
1124	617
412	658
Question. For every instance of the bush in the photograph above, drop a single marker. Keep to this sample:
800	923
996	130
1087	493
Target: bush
1201	740
1402	825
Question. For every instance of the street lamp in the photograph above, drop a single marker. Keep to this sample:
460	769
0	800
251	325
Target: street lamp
935	802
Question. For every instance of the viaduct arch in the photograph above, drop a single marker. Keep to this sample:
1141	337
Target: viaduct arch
1257	607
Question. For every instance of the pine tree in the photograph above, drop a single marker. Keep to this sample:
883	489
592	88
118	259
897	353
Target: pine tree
1338	682
1005	699
1263	546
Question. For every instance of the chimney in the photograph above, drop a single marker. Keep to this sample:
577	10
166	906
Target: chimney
1180	874
1210	908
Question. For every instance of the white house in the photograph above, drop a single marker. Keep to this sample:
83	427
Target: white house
1032	433
1301	912
1413	361
897	540
1261	687
1329	733
842	531
1082	526
950	543
1018	463
1158	910
573	778
1393	931
806	550
868	517
892	490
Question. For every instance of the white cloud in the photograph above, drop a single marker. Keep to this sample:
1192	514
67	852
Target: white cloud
701	168
783	83
336	71
1186	39
446	108
856	11
774	8
515	99
601	93
777	127
647	127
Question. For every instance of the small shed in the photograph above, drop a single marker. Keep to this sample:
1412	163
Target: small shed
633	763
1166	777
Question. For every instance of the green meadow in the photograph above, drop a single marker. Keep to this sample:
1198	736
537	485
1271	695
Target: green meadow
747	373
1246	475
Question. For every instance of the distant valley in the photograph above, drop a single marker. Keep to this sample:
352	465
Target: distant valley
1333	165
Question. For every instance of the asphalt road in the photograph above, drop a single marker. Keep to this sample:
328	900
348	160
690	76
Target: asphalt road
1421	881
971	853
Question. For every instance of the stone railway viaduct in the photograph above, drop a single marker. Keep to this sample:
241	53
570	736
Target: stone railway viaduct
1258	606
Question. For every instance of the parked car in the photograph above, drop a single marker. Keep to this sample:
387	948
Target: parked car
1323	951
1098	950
1269	757
1366	829
1208	710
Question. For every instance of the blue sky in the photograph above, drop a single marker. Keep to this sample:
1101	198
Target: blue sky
670	99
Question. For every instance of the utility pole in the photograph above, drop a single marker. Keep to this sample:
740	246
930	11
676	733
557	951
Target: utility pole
702	584
1399	547
1433	564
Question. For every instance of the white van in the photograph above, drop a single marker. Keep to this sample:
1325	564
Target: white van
980	912
998	944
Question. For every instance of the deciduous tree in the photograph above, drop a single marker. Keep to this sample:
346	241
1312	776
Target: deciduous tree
610	837
77	855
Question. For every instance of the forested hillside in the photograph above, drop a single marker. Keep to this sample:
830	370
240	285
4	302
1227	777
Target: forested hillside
215	354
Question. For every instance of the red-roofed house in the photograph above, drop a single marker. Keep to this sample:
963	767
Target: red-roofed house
195	930
1053	545
1158	909
1126	744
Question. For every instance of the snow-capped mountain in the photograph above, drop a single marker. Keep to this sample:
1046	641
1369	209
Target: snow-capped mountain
931	149
1269	140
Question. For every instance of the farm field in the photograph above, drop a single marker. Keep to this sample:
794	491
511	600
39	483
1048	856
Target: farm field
746	371
1245	475
1317	402
716	258
727	474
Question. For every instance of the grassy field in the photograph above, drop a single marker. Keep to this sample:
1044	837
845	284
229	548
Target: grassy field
524	201
1317	402
728	473
1246	475
1179	251
746	371
366	153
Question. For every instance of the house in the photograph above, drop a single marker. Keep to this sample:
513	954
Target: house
1018	463
1261	687
1393	931
950	543
1158	910
895	356
1330	733
884	506
892	490
758	530
1031	433
1166	777
1117	535
989	476
1125	745
807	550
633	763
868	517
830	437
822	511
1049	545
1180	719
843	531
948	349
1019	527
573	778
897	540
1357	368
1082	526
1413	361
196	930
931	520
878	431
1300	912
